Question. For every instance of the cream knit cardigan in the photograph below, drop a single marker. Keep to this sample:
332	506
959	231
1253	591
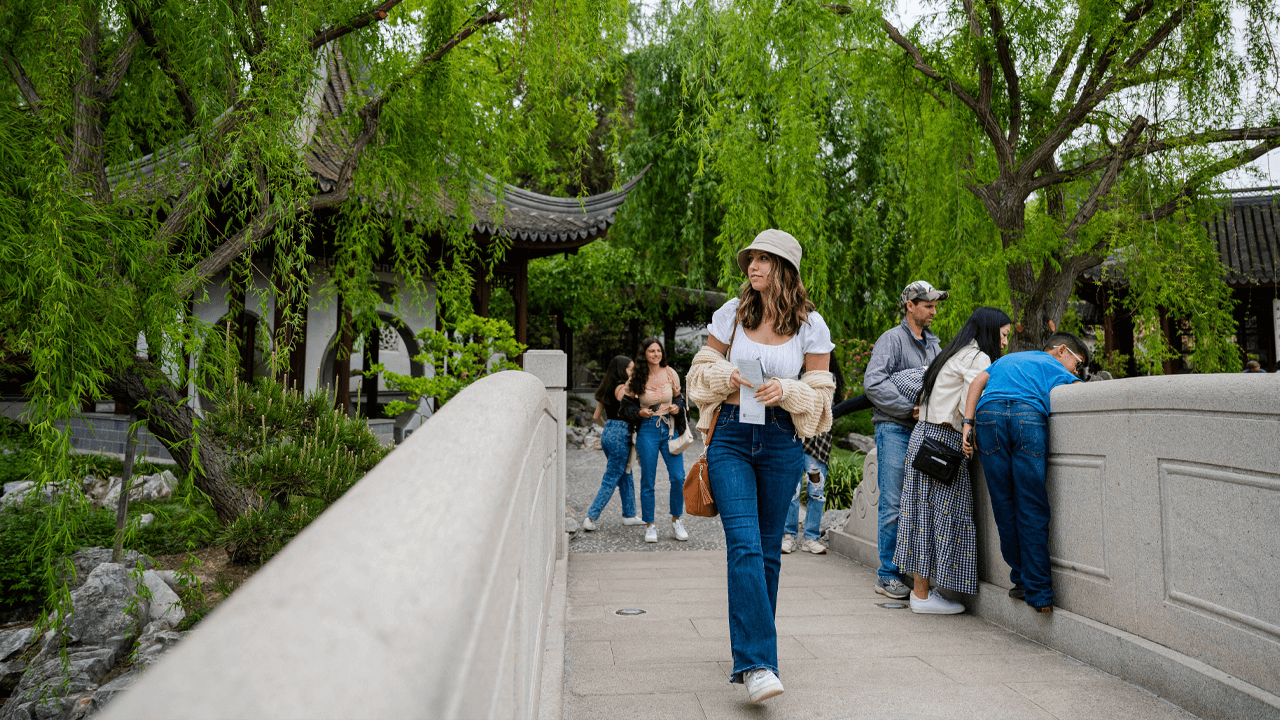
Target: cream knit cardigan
807	399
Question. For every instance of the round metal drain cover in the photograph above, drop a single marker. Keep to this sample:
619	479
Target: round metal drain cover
892	605
629	611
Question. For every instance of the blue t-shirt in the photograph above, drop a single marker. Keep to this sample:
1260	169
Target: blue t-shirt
1026	377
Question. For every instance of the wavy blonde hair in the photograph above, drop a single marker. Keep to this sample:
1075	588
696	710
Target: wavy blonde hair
790	307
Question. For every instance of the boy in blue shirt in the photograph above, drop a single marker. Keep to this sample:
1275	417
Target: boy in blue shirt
1013	433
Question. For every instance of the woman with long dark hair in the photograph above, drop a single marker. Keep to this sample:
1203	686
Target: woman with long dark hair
656	386
753	467
935	528
616	443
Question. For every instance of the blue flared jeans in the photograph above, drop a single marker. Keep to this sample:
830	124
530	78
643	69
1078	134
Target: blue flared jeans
1012	445
753	471
651	441
616	443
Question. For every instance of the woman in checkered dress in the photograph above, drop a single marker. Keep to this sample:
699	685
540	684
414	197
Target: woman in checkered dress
935	529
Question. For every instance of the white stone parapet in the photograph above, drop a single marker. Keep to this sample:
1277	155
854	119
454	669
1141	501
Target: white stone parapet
424	591
1164	538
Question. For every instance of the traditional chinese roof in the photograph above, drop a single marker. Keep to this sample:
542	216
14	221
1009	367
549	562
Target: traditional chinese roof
1247	234
499	209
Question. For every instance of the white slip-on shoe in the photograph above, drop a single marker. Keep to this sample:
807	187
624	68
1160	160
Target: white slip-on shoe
587	524
651	535
815	547
678	526
633	520
788	544
762	684
935	604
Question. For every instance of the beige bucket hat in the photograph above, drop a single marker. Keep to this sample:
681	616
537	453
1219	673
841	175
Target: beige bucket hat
777	242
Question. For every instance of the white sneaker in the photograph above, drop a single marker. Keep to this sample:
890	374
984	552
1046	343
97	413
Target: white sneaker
815	547
651	535
935	604
633	520
678	526
587	524
788	544
762	684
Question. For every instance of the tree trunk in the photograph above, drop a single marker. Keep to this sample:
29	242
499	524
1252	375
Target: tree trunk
143	389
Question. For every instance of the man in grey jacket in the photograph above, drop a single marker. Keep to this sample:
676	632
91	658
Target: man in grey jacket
910	344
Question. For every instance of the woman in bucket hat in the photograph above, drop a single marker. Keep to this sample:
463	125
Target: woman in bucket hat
753	468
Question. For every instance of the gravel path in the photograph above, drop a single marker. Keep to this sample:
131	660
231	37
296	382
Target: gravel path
584	470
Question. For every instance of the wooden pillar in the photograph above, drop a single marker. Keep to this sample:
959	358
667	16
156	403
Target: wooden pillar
342	360
372	344
1167	329
566	345
669	336
520	294
633	329
242	325
482	292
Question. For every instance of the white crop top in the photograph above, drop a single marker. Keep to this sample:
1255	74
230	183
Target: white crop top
781	361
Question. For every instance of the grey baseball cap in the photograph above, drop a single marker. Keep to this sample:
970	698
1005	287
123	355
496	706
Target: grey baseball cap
921	290
777	242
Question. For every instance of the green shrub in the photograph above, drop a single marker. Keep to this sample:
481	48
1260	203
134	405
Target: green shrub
844	472
296	452
17	451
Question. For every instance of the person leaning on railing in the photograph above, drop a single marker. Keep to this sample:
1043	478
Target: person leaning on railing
753	468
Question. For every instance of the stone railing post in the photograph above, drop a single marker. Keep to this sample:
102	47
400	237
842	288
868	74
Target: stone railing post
549	366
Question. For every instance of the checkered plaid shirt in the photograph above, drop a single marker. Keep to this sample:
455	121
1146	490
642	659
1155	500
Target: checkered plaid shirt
819	446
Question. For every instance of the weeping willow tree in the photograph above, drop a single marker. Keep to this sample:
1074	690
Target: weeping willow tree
99	249
1020	143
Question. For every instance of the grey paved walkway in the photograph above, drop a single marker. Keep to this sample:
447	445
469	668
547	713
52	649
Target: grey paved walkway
842	655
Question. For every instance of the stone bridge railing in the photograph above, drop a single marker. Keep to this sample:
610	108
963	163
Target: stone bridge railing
425	591
1165	538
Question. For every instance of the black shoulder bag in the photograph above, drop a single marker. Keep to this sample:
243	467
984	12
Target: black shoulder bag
937	460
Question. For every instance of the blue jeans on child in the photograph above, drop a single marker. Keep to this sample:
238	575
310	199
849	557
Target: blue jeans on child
891	462
817	500
753	471
651	441
616	443
1012	444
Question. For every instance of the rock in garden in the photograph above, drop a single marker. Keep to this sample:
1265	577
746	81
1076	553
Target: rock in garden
570	525
834	519
861	443
166	606
107	613
146	519
28	491
591	440
17	486
86	559
11	641
157	640
158	486
103	695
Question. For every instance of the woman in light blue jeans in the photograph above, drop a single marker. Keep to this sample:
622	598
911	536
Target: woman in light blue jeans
655	385
616	443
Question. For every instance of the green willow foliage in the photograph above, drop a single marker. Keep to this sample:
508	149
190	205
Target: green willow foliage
96	254
808	116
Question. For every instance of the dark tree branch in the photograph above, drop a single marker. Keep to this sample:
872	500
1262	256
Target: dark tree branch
1156	146
1091	205
1004	56
368	17
1077	75
142	24
1112	46
23	81
1090	98
119	66
1064	57
1197	181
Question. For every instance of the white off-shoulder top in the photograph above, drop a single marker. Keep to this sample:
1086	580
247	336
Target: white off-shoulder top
780	361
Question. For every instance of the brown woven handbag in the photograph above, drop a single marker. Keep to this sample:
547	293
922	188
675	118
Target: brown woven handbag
697	483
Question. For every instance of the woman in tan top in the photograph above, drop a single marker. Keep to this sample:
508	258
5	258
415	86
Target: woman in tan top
657	386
